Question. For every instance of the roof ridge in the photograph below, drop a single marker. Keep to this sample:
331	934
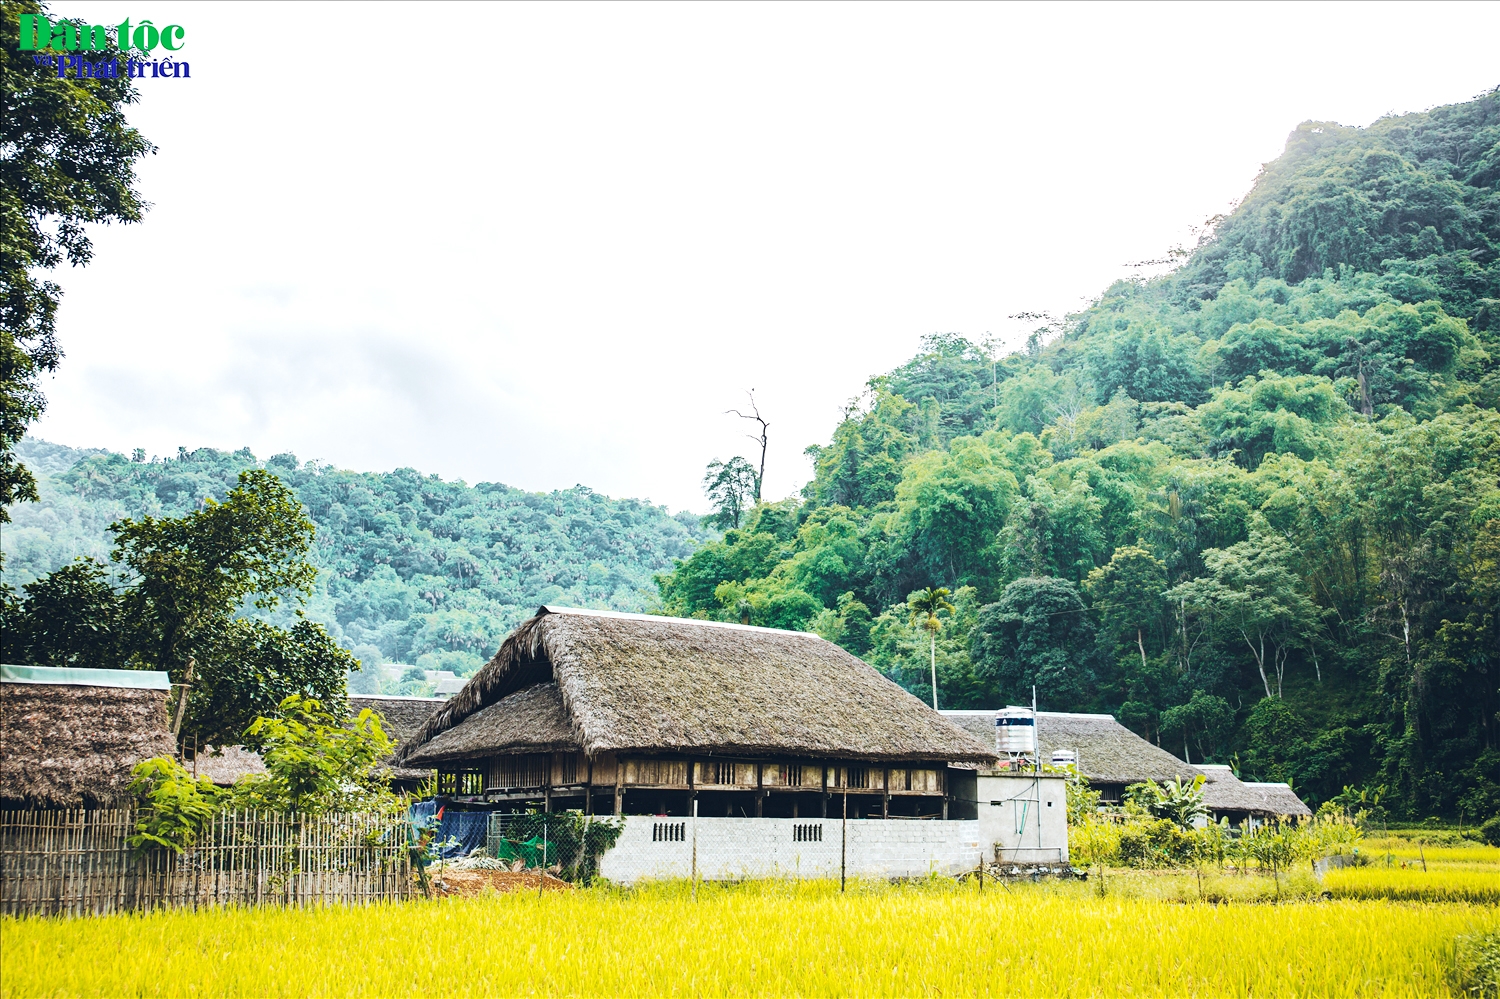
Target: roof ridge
663	619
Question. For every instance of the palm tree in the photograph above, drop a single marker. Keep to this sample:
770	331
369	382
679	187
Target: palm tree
925	606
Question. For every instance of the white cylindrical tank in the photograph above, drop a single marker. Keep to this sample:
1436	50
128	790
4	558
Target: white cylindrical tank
1064	758
1015	731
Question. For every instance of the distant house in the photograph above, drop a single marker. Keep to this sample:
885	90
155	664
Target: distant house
1112	758
69	737
447	686
1110	755
1254	801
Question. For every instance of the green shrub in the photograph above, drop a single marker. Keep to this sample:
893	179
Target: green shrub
1478	966
1156	843
1490	831
175	807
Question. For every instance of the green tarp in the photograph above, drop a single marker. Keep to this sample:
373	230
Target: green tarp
138	678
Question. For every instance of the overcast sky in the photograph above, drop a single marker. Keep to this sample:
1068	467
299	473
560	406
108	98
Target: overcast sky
548	245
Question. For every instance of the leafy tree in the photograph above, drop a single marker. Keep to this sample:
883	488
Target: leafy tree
1254	590
71	617
175	611
315	760
731	486
1127	593
244	667
175	805
925	606
69	161
1174	800
1205	720
1278	737
1038	633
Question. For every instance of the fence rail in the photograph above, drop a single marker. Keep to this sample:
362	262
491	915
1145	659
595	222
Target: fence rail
78	862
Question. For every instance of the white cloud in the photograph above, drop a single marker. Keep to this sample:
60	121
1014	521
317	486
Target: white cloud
552	244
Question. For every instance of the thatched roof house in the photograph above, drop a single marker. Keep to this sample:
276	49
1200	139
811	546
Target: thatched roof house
1108	754
578	700
1227	795
69	737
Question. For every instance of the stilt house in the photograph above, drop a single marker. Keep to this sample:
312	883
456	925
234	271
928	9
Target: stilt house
633	714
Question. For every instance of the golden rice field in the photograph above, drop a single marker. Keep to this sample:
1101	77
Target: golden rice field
1400	870
937	938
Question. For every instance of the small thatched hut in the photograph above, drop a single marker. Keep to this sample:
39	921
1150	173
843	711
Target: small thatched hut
69	737
645	715
1257	801
1110	755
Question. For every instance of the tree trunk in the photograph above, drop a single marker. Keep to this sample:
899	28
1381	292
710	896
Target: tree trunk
182	698
1260	661
1141	644
932	639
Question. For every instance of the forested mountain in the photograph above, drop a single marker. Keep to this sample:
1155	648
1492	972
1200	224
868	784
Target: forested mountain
411	568
1252	506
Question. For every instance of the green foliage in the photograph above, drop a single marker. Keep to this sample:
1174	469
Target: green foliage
1477	968
406	564
731	486
1272	474
1155	843
247	666
1174	800
316	761
174	807
1083	802
71	617
174	609
69	161
1038	632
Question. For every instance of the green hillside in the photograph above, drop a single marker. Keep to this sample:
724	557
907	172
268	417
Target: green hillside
1252	507
412	568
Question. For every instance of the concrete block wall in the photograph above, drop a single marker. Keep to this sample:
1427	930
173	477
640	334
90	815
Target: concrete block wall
1024	819
735	848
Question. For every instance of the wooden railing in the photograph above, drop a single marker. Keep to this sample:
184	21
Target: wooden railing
78	862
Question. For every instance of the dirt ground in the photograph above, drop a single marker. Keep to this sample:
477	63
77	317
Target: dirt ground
464	884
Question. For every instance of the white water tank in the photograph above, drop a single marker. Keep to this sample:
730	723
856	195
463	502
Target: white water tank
1015	731
1064	758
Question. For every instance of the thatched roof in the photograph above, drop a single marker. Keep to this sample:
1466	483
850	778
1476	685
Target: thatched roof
1108	752
636	683
1224	792
403	716
69	738
532	720
228	764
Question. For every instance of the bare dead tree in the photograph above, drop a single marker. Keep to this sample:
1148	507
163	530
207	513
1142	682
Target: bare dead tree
762	440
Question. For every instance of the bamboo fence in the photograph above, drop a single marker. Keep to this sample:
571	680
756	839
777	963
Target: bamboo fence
78	862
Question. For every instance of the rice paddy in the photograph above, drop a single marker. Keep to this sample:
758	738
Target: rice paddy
1402	870
1146	935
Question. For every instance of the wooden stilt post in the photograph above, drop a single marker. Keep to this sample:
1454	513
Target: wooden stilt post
844	841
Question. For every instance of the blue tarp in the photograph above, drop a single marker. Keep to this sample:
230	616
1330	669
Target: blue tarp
469	828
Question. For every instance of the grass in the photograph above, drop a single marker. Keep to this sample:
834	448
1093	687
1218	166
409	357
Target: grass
767	938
